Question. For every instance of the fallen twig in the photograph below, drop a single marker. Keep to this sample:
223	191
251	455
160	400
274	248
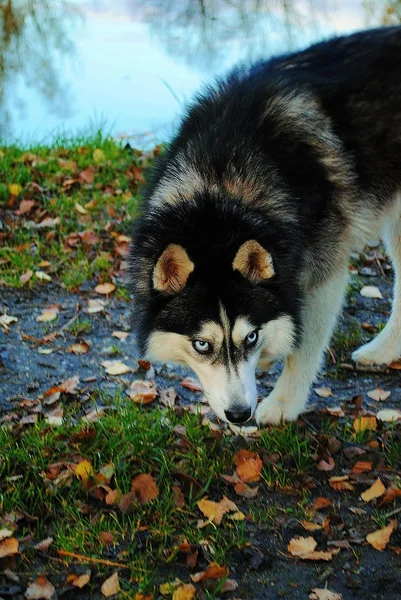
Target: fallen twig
100	561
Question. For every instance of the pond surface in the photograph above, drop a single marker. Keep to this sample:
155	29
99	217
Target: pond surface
131	65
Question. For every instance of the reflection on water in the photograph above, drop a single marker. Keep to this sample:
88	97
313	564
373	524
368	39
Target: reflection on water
132	63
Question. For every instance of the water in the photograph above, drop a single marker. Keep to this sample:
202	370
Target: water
131	65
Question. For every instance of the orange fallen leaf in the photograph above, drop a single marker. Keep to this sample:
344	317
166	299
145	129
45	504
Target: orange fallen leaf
40	588
361	466
215	511
111	586
320	503
105	288
249	465
184	592
341	483
393	493
213	571
8	547
142	391
380	538
375	491
365	424
145	488
140	596
81	580
304	548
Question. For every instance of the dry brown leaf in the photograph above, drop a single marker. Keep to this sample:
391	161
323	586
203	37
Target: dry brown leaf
81	580
326	465
304	548
8	547
380	538
365	424
321	503
105	288
334	411
323	392
310	526
168	397
87	175
185	591
215	511
40	588
393	493
361	466
43	546
25	277
111	586
375	491
50	313
341	483
324	594
121	335
213	571
192	384
379	395
249	465
79	348
95	306
115	367
106	537
242	489
144	488
142	391
24	207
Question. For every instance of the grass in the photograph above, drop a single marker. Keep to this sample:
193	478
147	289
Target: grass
89	184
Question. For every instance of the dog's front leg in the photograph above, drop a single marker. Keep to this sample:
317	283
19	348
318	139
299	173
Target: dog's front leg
289	396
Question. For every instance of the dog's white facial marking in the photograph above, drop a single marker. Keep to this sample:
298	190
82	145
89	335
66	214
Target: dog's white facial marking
227	374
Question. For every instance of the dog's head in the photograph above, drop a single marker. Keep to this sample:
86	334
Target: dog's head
212	295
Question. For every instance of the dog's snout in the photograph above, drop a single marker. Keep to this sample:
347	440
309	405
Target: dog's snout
238	416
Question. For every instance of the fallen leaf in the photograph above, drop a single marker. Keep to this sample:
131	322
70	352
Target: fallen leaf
84	470
310	526
89	237
105	288
81	580
50	313
326	465
380	538
43	546
321	503
42	276
340	483
47	223
371	291
15	189
393	493
111	586
25	277
145	488
389	415
192	384
142	391
213	571
40	588
323	392
5	533
8	547
324	594
249	465
80	209
98	156
365	424
215	511
121	335
106	537
379	395
95	306
115	367
140	596
55	417
304	548
242	489
375	491
361	466
6	320
24	207
168	397
79	348
87	176
184	592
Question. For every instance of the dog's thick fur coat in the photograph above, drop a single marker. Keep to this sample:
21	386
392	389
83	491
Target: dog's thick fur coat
277	174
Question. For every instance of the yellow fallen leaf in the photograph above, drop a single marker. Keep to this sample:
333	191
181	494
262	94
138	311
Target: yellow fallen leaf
84	470
98	156
115	367
105	288
237	516
304	548
184	592
380	538
15	189
43	276
375	491
365	424
215	511
111	586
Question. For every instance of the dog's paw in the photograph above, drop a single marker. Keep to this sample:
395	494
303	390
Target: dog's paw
274	410
376	353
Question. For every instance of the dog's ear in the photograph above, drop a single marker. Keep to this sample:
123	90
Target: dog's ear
253	262
172	270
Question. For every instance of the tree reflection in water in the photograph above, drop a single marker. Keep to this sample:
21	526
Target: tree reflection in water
33	42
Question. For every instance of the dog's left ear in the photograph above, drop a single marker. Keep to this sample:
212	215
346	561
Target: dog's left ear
172	270
253	262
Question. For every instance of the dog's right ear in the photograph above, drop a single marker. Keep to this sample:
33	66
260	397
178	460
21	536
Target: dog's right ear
172	270
253	262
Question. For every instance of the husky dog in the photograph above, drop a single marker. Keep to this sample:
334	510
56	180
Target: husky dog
276	175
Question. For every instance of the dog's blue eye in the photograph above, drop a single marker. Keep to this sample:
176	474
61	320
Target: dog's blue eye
202	347
251	338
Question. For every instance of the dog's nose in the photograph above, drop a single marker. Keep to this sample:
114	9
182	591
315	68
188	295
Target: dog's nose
238	416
